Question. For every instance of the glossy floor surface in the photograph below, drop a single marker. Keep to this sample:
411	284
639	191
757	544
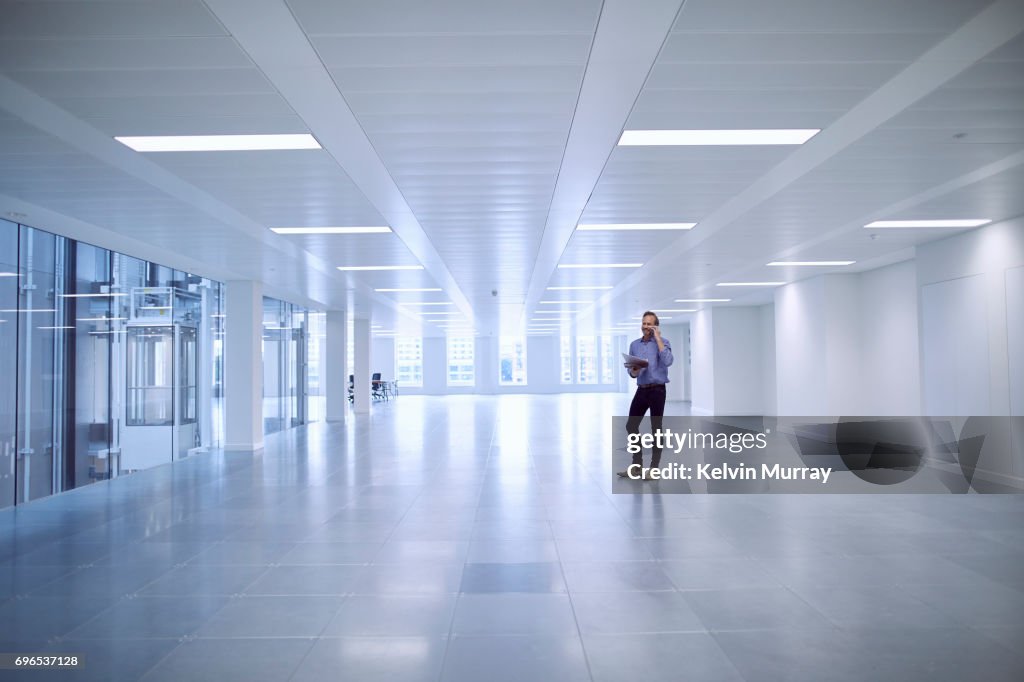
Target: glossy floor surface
476	538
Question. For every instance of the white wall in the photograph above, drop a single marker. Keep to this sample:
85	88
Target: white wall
818	334
800	358
974	271
703	363
890	375
955	354
843	333
769	397
737	360
678	374
1015	337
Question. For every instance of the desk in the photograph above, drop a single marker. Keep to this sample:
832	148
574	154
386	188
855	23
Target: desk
385	390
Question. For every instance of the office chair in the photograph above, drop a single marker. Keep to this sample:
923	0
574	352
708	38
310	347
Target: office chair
377	387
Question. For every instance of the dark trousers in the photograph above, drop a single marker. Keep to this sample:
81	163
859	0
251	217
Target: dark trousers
653	399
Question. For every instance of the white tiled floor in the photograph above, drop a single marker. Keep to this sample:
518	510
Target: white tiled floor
471	538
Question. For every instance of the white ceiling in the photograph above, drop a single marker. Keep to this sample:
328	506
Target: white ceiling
482	132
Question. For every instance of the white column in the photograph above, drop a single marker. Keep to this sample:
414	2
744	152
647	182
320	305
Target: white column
361	334
243	366
336	364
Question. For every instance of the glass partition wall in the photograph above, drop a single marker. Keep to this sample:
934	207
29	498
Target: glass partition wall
109	364
8	360
293	340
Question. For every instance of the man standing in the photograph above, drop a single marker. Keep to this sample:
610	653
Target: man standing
650	379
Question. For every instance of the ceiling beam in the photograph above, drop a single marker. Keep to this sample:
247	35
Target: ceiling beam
627	42
270	34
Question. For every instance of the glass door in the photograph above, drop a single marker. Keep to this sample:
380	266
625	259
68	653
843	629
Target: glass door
40	370
297	374
8	359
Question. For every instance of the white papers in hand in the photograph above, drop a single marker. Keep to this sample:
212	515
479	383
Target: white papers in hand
633	361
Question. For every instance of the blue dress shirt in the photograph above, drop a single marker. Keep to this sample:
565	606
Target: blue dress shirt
658	363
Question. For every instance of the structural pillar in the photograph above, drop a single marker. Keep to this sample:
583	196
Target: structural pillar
243	366
336	364
361	334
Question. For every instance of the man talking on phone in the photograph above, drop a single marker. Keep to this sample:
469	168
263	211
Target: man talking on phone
650	384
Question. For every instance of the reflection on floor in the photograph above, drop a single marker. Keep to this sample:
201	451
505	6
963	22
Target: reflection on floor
471	538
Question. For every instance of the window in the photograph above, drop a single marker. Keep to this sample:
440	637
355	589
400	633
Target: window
350	346
607	358
460	361
586	359
409	361
565	354
316	341
512	361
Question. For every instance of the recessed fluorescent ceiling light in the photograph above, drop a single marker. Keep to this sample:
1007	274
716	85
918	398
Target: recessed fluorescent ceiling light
561	302
99	319
673	310
331	230
427	303
436	312
750	284
801	263
380	267
716	137
974	222
29	310
8	274
219	143
635	226
412	289
567	266
581	288
553	312
702	300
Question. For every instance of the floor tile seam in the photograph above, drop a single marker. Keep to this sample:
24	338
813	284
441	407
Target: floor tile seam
725	654
980	630
31	593
118	600
184	641
256	579
127	638
808	604
963	623
668	631
575	616
150	669
313	643
459	594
